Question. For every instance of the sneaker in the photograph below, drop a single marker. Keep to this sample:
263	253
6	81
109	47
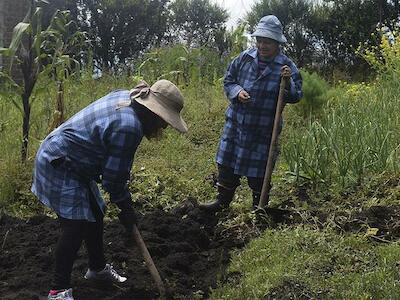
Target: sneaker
60	295
107	274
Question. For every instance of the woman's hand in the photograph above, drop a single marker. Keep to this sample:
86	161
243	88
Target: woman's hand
243	96
286	72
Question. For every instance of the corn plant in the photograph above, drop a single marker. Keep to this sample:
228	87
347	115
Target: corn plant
62	42
33	47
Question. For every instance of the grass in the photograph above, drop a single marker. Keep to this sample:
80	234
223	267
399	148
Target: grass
356	136
358	133
304	263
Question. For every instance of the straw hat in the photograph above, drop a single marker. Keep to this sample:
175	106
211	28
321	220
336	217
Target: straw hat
164	99
270	27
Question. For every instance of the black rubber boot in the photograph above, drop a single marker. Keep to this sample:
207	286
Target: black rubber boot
224	198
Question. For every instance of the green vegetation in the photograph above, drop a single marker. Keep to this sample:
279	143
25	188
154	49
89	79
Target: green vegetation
347	138
358	133
340	158
303	262
39	51
163	171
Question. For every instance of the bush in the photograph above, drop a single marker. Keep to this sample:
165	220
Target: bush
314	95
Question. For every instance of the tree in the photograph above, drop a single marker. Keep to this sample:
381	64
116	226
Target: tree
327	32
196	22
121	29
231	42
342	25
33	47
62	5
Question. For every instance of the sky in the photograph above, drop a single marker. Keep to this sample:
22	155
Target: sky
236	9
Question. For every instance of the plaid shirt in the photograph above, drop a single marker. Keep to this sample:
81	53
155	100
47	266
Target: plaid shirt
95	145
245	141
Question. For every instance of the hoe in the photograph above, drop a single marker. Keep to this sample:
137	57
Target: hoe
272	147
149	261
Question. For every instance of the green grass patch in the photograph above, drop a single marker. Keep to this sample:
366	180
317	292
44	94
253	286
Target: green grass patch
296	262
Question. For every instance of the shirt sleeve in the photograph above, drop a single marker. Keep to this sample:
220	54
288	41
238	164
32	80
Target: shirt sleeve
294	92
231	85
121	147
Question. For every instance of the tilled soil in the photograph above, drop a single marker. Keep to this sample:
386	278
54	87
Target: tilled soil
189	248
185	245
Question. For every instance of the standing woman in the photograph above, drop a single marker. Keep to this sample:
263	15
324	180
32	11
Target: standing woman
251	84
97	145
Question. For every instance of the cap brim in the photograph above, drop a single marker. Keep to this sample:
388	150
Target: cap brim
172	118
269	34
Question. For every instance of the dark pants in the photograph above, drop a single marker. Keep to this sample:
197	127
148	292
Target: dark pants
228	179
73	232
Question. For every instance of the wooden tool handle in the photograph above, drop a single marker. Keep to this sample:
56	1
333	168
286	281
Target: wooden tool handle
149	261
272	146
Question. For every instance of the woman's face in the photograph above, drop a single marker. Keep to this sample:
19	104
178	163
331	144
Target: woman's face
156	129
267	48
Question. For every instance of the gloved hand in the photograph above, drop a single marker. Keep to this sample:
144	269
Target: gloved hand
127	215
128	218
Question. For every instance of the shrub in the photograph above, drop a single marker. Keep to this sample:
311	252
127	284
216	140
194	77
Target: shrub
314	95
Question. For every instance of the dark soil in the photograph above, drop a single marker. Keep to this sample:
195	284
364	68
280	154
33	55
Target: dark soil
384	218
187	248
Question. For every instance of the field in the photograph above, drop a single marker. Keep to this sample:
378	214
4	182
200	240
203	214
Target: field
331	232
188	256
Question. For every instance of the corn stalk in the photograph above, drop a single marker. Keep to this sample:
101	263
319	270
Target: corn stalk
32	48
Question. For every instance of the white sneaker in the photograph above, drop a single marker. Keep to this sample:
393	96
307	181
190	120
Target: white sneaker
107	274
61	295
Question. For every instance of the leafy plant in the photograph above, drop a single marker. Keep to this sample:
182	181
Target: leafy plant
61	45
33	47
314	95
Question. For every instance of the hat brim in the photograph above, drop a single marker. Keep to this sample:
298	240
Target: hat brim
156	106
280	38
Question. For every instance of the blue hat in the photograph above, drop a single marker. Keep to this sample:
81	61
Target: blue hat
270	27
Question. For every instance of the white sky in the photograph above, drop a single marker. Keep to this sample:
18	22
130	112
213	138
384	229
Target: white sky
236	9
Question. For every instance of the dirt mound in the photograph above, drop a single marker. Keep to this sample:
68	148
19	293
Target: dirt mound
186	249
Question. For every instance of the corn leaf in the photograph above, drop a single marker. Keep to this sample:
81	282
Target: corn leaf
18	33
5	51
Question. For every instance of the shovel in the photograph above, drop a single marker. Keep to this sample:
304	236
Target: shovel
149	261
273	145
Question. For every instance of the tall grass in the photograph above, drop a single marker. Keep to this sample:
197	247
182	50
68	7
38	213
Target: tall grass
182	65
358	133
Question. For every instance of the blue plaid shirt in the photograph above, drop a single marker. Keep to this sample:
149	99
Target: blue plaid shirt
244	144
95	145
